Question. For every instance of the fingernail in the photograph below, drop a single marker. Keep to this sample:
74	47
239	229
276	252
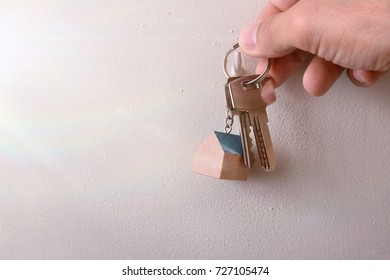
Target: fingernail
359	77
248	37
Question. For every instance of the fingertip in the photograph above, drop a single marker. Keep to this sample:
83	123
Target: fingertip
363	78
247	38
313	84
267	38
268	92
269	98
320	76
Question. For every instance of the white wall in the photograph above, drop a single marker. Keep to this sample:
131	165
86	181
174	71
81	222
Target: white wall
102	105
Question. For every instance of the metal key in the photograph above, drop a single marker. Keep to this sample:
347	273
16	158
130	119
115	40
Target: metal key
245	128
246	140
247	100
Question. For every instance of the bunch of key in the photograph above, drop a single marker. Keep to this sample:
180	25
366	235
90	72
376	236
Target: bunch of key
243	98
229	156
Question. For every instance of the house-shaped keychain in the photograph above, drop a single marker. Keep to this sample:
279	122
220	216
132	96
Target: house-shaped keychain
221	156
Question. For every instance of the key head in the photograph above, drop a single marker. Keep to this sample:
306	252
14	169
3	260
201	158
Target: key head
241	98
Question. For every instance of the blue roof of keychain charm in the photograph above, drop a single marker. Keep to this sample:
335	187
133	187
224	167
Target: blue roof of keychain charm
229	156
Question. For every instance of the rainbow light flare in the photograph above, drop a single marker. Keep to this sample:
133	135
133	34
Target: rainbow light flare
37	41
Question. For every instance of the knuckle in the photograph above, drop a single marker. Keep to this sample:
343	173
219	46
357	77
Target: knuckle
304	34
265	37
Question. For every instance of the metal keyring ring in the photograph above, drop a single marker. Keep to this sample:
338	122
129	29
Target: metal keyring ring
255	81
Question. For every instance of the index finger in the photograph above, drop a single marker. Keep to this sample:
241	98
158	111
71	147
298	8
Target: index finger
282	67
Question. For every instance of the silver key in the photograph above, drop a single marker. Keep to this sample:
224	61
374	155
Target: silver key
245	129
246	140
241	99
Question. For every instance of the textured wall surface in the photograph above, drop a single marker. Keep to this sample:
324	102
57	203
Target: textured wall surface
102	105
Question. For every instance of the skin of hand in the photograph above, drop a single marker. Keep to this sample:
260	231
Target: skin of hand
335	34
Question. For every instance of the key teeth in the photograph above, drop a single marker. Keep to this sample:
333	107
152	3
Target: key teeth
263	142
251	154
246	140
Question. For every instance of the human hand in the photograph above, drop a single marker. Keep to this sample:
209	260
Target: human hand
340	35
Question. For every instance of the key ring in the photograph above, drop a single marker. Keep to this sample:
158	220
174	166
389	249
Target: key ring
255	81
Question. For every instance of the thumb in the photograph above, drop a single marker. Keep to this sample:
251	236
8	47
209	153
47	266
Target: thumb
271	37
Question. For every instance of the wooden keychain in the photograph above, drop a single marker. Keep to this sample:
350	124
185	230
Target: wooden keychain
221	156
